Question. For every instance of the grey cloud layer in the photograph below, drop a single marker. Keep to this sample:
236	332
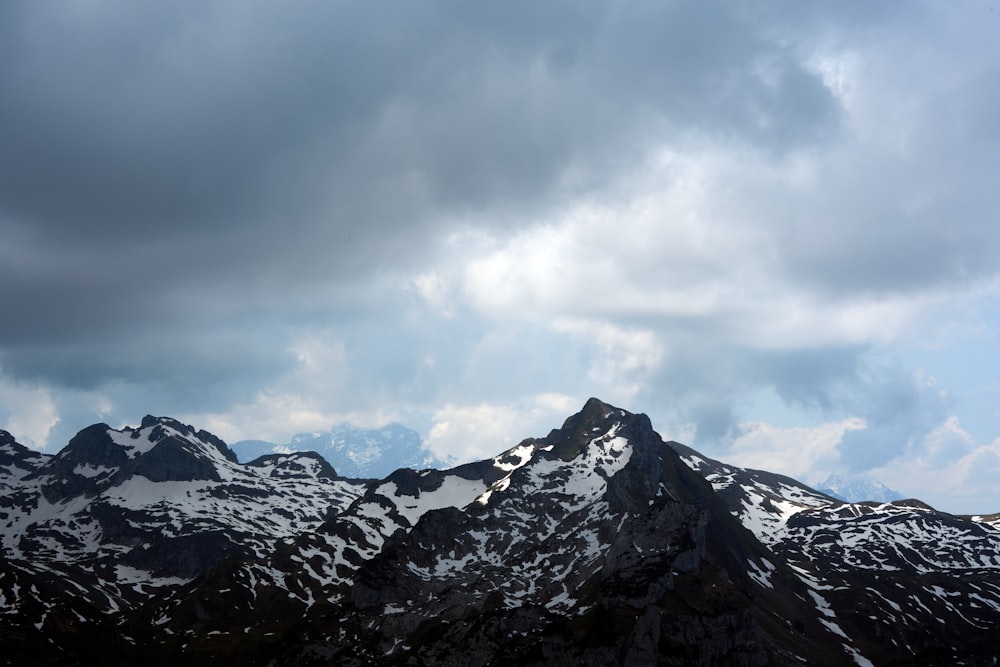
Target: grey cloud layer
193	145
188	191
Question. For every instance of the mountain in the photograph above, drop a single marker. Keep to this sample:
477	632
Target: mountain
355	452
117	516
858	489
597	544
906	583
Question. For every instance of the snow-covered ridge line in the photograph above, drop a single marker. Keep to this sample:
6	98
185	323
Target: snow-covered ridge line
535	544
119	500
887	536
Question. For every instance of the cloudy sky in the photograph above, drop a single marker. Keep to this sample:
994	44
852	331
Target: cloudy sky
773	227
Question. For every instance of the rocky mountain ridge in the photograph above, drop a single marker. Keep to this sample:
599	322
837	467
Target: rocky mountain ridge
137	510
597	544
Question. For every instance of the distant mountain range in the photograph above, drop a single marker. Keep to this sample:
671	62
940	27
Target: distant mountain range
858	489
598	544
353	452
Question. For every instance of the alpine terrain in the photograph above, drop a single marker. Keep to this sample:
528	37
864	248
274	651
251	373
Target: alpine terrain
855	489
598	544
354	452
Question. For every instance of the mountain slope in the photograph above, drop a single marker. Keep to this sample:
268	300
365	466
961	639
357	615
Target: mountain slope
909	584
117	517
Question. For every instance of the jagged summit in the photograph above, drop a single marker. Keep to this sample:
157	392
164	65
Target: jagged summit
11	447
159	426
160	450
578	430
101	444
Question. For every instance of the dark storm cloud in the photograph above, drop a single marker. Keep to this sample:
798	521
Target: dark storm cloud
195	363
707	385
128	118
155	155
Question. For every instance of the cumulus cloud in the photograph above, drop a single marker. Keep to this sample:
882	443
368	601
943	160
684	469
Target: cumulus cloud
949	469
805	453
901	409
30	413
478	431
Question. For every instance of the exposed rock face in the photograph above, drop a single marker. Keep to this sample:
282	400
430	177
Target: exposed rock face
598	544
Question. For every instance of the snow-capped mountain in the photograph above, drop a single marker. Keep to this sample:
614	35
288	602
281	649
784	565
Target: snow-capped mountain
858	489
355	452
597	544
597	533
118	515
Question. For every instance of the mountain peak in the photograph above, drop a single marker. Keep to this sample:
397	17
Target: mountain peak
358	453
294	464
161	428
595	419
17	460
856	489
595	410
162	449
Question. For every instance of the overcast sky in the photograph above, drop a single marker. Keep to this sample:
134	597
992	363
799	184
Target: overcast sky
773	227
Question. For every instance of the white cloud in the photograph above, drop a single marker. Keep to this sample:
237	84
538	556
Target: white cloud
808	454
31	413
698	240
625	358
946	443
271	416
313	396
435	290
466	432
949	470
